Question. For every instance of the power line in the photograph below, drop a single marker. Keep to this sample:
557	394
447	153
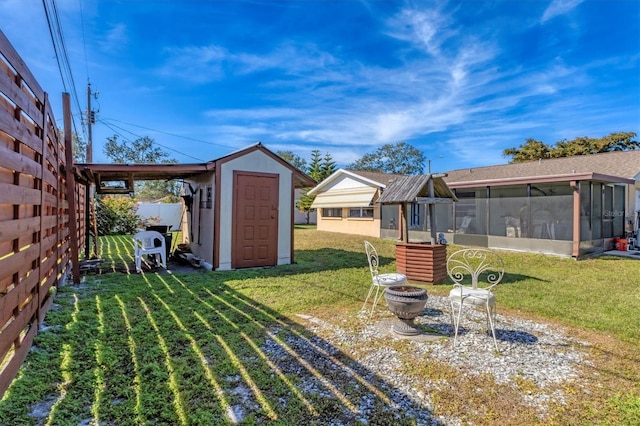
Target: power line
111	126
60	51
171	134
84	40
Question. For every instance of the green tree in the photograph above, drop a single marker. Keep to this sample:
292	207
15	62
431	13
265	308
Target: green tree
304	204
164	191
319	169
327	167
293	159
144	151
399	158
140	151
531	150
315	167
116	215
582	145
79	146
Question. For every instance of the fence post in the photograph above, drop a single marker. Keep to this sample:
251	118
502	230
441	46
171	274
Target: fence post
71	187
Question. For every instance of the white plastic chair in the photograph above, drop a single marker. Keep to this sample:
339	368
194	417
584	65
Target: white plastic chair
475	272
144	244
379	280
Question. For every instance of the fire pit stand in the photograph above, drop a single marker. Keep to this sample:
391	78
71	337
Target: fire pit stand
406	302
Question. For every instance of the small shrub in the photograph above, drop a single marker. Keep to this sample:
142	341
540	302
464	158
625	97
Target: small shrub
117	215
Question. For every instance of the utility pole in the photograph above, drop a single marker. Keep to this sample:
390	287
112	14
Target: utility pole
91	220
90	117
429	163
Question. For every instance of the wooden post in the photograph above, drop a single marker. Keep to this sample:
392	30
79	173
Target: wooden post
432	211
575	186
404	223
41	236
71	187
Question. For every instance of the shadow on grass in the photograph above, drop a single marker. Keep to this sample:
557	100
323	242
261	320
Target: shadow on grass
160	348
511	278
176	350
120	259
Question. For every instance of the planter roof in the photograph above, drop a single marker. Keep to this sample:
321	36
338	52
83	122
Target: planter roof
409	188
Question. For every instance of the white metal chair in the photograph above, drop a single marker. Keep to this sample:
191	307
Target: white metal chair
379	280
144	243
475	272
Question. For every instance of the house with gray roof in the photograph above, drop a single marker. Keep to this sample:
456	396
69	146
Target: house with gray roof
574	206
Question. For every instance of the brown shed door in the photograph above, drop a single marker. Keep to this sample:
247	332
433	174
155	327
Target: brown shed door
255	220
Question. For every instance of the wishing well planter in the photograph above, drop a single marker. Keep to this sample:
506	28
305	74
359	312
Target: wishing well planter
406	303
425	263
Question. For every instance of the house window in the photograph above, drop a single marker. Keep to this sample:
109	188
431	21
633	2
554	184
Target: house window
332	212
363	212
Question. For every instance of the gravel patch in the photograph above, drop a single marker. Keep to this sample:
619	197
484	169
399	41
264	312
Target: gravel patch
336	366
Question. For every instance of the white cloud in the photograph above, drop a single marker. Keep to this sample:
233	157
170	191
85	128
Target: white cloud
426	28
197	64
115	38
557	8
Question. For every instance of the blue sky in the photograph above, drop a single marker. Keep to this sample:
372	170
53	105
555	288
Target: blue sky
461	81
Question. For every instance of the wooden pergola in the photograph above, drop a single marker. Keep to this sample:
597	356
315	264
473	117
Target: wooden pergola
119	178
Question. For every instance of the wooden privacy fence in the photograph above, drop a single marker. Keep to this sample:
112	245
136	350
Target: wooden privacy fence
41	227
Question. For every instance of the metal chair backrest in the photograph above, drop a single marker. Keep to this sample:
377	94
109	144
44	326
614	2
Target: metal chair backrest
372	257
475	267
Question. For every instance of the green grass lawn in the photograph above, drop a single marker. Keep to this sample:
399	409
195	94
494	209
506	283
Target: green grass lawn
224	347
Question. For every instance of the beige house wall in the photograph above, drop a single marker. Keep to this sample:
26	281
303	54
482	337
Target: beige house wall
347	225
346	191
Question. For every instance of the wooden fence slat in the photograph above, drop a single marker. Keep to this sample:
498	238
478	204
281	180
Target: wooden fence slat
13	263
14	194
12	367
44	241
14	161
20	98
46	287
13	229
11	331
18	64
15	297
49	221
50	200
16	130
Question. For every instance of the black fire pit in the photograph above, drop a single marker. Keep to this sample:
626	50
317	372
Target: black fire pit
406	303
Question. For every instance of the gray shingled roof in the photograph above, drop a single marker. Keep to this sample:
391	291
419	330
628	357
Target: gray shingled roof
624	164
383	178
